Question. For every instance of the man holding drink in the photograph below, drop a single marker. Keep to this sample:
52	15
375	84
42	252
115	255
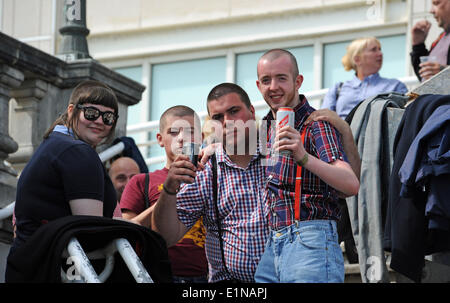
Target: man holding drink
428	63
306	173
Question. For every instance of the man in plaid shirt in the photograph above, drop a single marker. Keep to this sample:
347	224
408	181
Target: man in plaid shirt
240	178
302	249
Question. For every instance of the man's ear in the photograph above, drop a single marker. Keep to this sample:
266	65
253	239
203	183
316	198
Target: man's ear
298	82
252	110
160	139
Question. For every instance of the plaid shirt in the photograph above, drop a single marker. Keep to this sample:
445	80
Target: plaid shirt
243	223
318	200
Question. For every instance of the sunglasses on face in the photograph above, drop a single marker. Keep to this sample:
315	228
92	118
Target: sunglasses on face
91	113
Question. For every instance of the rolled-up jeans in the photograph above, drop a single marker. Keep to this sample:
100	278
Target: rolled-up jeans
305	252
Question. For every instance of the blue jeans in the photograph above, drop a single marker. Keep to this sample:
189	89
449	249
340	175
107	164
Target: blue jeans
305	252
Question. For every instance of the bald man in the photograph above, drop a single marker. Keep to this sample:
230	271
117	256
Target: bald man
121	172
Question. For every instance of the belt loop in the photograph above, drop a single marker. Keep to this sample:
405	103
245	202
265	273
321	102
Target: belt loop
289	231
333	227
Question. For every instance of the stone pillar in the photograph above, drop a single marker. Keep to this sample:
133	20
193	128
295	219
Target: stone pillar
9	78
74	31
27	111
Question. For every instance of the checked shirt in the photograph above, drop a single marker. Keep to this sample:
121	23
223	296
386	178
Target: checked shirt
319	201
244	225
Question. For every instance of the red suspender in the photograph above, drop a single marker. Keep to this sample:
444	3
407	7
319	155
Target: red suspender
298	184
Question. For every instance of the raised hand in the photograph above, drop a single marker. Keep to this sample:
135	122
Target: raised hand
181	171
419	31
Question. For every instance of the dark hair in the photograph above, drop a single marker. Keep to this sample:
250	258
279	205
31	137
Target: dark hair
228	88
177	111
278	52
90	91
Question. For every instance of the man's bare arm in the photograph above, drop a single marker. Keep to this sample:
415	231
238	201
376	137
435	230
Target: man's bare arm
344	129
337	174
164	218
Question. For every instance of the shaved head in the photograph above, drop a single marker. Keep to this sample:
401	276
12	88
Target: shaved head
276	53
121	171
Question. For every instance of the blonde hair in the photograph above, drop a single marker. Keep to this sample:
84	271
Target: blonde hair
355	48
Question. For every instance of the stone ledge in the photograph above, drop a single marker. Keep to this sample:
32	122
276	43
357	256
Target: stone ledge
439	84
36	64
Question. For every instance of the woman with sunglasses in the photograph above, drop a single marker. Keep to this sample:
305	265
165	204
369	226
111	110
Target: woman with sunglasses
65	175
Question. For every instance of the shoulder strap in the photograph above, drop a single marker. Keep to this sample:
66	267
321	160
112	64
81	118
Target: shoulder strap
338	89
298	183
437	40
216	209
147	181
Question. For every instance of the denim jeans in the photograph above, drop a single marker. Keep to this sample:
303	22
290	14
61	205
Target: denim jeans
305	252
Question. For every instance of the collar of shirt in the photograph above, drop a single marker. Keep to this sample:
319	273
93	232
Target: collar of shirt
63	129
222	156
355	82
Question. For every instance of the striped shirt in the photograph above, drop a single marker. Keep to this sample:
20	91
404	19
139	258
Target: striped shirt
319	201
243	223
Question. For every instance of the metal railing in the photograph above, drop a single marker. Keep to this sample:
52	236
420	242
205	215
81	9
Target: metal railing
7	211
83	272
111	151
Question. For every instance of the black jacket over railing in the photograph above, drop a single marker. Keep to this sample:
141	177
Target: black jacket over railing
406	233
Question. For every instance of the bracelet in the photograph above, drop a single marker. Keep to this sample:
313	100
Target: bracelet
303	160
169	192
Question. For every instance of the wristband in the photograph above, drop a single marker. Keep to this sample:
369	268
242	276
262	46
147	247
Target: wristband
169	192
303	160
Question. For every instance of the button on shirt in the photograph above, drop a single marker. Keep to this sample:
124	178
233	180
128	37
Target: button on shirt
243	223
354	91
319	201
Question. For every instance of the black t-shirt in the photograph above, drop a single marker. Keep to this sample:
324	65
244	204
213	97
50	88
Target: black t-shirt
61	169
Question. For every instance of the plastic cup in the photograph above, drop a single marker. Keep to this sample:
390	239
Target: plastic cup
427	58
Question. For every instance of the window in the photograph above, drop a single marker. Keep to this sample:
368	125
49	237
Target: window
394	50
333	71
182	83
135	113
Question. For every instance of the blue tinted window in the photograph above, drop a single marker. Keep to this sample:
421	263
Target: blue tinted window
134	111
182	83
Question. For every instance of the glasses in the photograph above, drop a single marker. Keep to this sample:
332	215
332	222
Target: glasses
91	113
